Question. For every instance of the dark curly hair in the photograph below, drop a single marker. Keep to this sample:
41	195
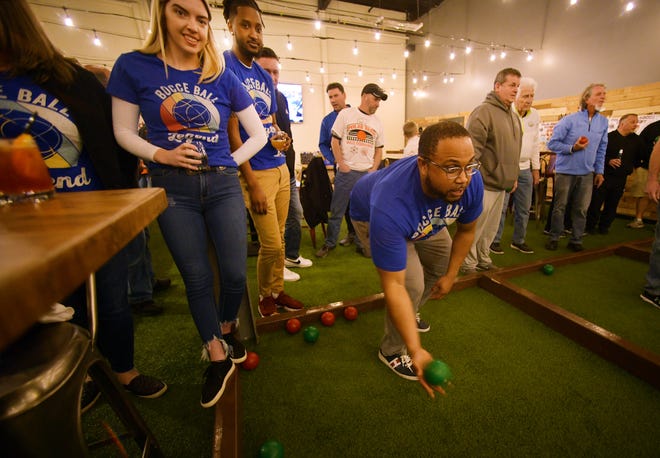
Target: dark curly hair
230	6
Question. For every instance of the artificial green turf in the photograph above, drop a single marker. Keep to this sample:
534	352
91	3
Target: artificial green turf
168	346
605	292
520	389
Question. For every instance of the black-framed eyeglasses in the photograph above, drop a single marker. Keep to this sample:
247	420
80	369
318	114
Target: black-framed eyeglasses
454	171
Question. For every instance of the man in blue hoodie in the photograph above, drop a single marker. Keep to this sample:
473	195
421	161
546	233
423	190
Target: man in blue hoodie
580	142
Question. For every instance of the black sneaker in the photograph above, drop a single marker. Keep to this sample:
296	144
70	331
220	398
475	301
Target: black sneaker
422	326
522	247
237	351
215	381
147	308
400	364
650	298
161	284
551	245
146	386
496	248
575	246
90	394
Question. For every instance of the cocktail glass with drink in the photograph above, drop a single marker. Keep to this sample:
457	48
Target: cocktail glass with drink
279	141
24	175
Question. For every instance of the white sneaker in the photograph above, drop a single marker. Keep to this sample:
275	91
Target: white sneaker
290	276
298	262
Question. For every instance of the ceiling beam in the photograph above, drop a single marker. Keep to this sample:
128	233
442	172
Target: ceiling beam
323	4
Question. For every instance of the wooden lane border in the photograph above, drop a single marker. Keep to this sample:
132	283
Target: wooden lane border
627	355
228	425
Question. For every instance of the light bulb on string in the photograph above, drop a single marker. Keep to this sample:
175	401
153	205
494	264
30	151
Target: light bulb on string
67	19
355	48
424	77
406	53
393	74
427	42
414	78
97	40
289	46
452	54
345	78
307	77
468	48
377	34
381	79
530	55
360	71
322	68
503	52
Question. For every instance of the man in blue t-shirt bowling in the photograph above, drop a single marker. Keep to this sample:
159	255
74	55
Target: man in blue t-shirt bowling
402	213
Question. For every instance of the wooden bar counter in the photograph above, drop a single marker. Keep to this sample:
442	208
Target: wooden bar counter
48	249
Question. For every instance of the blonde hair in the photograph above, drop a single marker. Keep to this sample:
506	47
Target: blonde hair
211	61
25	48
410	129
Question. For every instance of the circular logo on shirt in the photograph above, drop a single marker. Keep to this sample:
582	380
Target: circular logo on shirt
181	111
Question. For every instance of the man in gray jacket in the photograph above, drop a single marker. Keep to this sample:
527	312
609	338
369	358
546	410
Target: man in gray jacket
497	138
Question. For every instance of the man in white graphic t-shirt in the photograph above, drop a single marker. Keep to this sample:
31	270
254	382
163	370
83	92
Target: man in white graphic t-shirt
357	144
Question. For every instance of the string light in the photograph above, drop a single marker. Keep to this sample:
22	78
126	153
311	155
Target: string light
355	48
322	69
345	78
381	79
317	23
311	89
307	77
530	55
445	79
573	2
451	79
503	53
393	73
452	54
377	34
492	55
360	71
97	41
406	53
468	48
427	42
414	78
630	6
424	77
67	19
289	46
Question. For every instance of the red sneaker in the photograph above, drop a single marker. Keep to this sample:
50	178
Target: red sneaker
290	304
267	306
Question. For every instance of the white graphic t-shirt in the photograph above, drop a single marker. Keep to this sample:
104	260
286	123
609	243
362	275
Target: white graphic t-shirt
360	134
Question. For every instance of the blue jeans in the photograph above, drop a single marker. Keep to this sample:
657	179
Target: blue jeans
202	207
115	323
653	275
575	189
522	201
344	183
140	273
292	228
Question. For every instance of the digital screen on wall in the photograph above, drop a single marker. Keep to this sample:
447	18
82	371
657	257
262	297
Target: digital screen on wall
294	94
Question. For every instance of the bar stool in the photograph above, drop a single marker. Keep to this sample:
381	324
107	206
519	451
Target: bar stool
41	379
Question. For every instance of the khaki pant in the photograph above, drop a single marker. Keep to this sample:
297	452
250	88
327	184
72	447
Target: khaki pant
275	183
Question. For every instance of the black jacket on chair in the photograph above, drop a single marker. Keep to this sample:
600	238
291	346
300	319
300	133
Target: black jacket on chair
315	192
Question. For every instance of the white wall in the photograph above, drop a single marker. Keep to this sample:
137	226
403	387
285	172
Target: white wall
126	24
593	41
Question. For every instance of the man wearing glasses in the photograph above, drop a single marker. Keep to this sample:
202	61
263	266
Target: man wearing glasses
497	136
402	213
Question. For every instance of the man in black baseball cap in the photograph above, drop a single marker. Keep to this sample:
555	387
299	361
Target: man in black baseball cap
375	90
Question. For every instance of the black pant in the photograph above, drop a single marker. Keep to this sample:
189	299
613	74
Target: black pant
607	197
